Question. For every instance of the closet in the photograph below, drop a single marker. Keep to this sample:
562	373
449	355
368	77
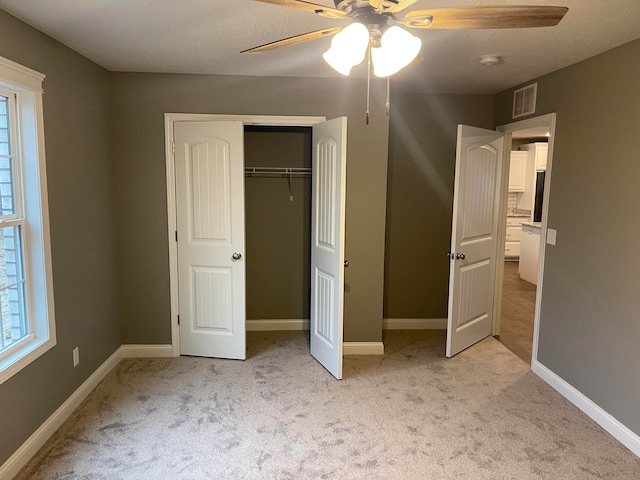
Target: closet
278	223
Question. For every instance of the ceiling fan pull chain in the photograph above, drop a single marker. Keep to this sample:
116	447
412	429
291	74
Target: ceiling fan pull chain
388	94
290	187
368	83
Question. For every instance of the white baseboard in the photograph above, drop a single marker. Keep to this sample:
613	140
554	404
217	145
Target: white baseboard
271	325
414	324
30	447
619	431
268	325
363	348
147	351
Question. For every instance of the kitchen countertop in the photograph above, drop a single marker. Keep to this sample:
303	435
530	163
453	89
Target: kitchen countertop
518	212
532	224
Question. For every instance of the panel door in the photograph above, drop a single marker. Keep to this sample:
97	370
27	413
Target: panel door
479	162
209	164
327	243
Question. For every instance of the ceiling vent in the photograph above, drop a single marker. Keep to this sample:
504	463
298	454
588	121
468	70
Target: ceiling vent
524	100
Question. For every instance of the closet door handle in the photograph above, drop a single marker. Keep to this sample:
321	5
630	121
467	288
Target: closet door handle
236	256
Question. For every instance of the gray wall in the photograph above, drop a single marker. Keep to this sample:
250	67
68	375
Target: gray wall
422	153
81	220
589	327
278	231
138	153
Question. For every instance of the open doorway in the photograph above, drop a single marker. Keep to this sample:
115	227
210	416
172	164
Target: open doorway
278	226
524	220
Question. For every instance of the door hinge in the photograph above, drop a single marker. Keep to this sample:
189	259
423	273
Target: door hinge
178	319
173	147
176	235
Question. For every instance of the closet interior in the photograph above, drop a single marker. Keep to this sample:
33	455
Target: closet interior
277	222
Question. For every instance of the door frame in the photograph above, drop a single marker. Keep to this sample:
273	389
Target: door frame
539	121
169	120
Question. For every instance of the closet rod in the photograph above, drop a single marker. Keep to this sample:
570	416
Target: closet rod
276	171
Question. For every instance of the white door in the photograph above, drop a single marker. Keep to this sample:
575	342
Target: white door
479	163
209	163
327	242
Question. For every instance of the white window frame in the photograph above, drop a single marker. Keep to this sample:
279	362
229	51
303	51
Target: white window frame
32	203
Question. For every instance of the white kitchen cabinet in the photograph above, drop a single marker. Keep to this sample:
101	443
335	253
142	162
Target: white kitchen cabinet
540	151
512	250
517	171
529	253
513	236
514	232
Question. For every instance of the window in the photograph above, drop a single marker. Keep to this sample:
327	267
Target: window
27	327
14	327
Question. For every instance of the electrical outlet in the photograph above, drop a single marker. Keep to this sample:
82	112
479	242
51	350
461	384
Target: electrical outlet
76	356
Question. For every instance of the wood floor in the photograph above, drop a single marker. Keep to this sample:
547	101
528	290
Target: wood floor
518	310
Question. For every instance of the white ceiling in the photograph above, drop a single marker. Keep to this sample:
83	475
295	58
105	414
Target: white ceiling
206	36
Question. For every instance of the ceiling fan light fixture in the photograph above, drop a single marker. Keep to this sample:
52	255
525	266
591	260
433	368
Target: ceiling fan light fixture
348	48
397	49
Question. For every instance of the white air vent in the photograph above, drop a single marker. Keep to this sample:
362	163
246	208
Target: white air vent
524	100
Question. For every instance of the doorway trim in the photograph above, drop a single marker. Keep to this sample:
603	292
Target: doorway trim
540	121
169	120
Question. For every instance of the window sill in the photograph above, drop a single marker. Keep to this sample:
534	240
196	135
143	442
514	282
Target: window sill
24	356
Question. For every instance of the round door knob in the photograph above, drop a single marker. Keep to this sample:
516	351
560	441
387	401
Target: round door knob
346	263
460	256
236	256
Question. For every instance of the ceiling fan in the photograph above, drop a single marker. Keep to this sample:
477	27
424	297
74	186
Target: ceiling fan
391	47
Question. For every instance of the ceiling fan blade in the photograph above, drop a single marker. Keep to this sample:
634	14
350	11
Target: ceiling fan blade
308	6
485	17
303	37
391	6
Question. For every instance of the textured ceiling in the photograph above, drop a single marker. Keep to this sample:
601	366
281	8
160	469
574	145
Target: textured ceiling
206	36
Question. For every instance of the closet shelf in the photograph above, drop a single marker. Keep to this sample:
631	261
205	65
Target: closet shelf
276	171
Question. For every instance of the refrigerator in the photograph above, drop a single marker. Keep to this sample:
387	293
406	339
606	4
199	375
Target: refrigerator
539	194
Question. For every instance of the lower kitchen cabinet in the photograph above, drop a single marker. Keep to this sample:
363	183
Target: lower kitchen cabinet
512	240
529	253
512	250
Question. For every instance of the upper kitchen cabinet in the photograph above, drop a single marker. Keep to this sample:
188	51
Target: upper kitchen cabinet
539	151
518	171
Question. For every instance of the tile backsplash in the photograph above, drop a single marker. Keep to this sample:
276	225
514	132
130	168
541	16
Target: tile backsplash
512	202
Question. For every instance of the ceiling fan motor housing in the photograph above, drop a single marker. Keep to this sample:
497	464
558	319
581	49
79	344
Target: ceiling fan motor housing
348	6
362	12
381	5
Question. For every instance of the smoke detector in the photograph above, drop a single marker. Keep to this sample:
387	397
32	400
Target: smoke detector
490	60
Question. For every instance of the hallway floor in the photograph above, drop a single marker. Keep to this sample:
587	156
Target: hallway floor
518	311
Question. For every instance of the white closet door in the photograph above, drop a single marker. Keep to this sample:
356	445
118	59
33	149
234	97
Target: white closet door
327	243
209	163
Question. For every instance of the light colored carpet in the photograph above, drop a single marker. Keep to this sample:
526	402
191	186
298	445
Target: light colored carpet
411	414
